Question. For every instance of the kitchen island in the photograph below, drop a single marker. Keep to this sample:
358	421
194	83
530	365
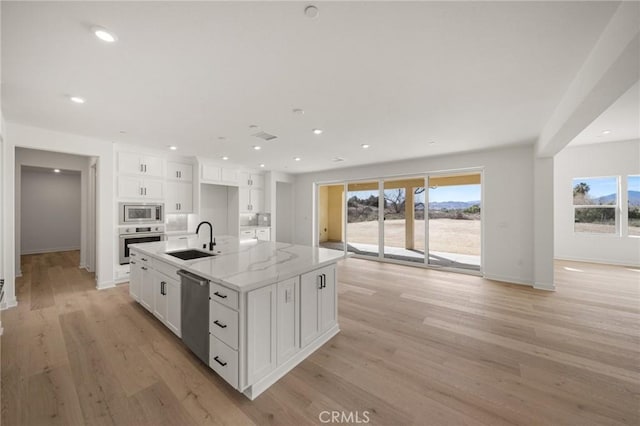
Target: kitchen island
270	304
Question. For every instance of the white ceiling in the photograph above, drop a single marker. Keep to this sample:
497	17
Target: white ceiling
467	75
620	122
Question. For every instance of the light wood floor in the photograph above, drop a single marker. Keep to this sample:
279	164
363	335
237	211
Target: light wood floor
416	347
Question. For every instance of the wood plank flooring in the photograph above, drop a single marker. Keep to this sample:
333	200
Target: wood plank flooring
416	347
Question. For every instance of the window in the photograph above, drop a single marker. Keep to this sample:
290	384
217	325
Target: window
595	202
633	203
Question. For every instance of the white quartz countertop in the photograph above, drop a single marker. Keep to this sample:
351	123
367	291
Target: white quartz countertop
244	265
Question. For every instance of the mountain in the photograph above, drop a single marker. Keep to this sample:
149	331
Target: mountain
452	205
634	199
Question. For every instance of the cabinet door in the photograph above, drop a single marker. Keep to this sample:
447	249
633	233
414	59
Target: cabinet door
172	290
146	292
210	173
245	201
129	163
152	166
288	311
244	179
180	171
159	297
229	175
328	298
135	278
261	332
129	187
256	197
257	181
179	197
263	234
309	307
153	189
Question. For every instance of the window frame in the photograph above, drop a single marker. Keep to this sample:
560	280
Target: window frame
616	207
626	206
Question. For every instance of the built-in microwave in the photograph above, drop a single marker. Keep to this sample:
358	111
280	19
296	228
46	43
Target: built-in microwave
141	213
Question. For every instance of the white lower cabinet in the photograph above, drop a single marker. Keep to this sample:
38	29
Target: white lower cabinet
317	303
288	309
223	360
157	289
261	332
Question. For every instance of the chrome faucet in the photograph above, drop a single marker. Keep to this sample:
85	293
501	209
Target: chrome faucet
212	241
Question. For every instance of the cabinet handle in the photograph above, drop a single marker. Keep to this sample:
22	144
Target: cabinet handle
145	168
145	188
221	296
144	268
179	206
219	362
320	283
163	288
132	262
141	169
177	174
141	191
143	259
220	324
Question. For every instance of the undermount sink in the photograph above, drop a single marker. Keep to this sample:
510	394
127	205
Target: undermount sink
189	254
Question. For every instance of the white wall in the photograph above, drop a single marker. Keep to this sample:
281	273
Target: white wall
607	159
215	208
270	198
283	231
50	211
51	160
507	197
18	135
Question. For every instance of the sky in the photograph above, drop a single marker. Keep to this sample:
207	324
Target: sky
599	186
634	183
443	193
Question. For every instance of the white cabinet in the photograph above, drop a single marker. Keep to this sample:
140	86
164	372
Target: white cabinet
158	289
251	199
135	164
261	332
252	180
179	197
317	303
221	175
179	171
288	313
263	234
133	187
135	277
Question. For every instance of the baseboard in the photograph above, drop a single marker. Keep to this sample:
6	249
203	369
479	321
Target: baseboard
50	250
105	285
10	303
545	286
257	388
508	280
121	280
598	261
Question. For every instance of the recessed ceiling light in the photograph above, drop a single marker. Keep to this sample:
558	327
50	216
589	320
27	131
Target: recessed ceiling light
606	132
311	12
253	126
297	158
224	157
317	131
173	148
365	146
298	111
122	132
257	147
104	35
261	165
222	138
77	99
56	170
432	142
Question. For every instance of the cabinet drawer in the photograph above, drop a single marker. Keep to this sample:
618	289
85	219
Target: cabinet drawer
224	324
224	361
165	268
223	295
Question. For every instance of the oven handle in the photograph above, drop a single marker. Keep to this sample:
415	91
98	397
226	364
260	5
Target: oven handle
143	235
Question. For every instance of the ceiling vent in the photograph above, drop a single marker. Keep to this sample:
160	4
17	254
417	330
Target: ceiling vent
337	159
264	135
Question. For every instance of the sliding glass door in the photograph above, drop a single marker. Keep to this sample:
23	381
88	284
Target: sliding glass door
454	230
404	219
433	220
362	218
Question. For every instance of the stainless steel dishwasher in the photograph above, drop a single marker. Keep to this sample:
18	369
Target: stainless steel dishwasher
194	313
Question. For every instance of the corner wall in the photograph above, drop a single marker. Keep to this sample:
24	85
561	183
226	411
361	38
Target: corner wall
508	203
605	159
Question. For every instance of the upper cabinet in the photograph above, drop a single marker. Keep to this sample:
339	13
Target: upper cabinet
210	173
136	164
179	171
251	180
